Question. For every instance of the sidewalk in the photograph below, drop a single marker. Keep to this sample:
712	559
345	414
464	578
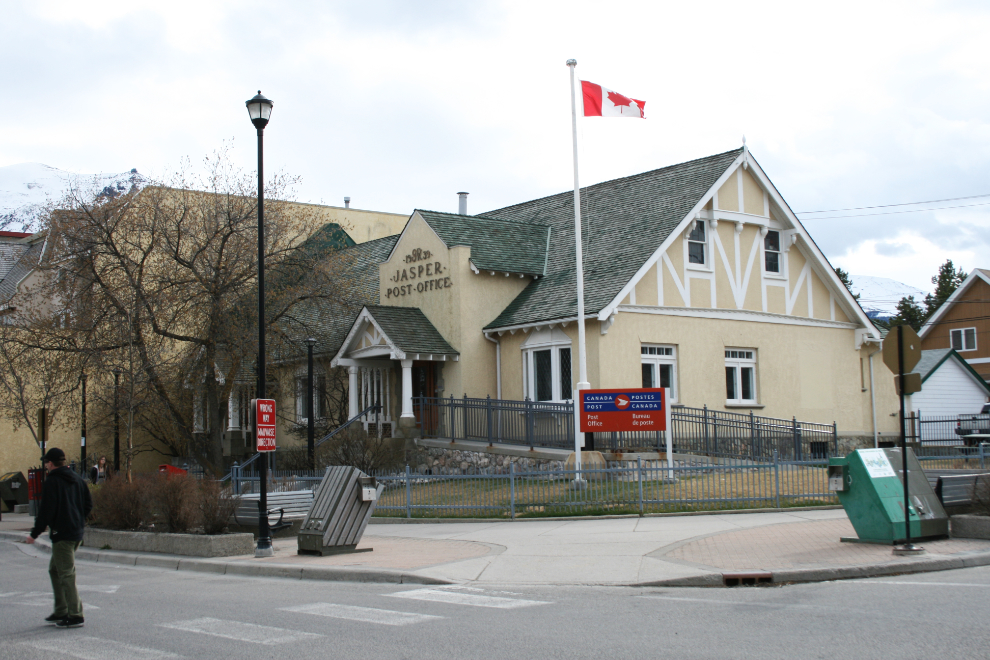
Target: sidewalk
694	550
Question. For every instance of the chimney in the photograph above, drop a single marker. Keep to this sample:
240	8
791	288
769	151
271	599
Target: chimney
462	203
347	202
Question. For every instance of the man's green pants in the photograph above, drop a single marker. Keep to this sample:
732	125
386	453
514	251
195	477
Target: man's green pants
62	570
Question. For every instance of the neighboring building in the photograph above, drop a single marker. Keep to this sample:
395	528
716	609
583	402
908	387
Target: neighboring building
949	386
963	323
698	277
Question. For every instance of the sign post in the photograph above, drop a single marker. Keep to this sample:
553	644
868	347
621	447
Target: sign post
901	354
263	413
630	409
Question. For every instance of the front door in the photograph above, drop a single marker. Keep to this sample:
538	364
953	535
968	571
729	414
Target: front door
424	384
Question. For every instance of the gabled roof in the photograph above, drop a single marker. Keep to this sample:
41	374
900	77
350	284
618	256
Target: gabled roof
496	245
28	259
405	333
978	274
625	221
932	359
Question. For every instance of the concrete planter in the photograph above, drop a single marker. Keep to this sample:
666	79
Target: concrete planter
194	545
969	527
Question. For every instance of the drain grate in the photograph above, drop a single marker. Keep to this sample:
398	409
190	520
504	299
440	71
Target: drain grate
746	579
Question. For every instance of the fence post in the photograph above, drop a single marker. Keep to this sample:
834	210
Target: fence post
453	418
512	491
981	456
776	476
235	477
464	408
835	439
528	421
797	439
408	495
488	403
752	436
704	414
639	474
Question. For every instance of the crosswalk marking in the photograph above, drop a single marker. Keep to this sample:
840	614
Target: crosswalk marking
242	632
92	648
458	596
365	614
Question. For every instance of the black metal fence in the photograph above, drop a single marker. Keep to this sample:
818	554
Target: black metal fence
694	430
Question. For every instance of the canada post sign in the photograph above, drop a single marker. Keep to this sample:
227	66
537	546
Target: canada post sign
623	410
264	424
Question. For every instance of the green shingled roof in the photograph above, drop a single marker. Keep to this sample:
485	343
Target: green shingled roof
496	244
625	221
409	330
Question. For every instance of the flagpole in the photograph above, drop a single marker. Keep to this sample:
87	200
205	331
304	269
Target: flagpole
583	384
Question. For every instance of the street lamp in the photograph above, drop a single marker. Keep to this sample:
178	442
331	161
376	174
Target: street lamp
260	110
310	422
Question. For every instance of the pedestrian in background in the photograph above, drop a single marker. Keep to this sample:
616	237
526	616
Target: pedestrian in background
65	503
100	471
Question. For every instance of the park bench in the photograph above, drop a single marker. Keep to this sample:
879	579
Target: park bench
289	507
956	489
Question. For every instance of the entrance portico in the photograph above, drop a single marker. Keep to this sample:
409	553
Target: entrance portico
380	339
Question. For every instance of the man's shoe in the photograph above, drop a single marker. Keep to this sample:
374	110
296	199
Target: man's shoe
55	618
70	622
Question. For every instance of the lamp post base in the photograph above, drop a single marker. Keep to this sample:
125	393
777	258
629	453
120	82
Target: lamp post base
909	550
264	548
578	484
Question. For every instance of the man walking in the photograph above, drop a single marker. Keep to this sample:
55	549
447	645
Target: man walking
65	503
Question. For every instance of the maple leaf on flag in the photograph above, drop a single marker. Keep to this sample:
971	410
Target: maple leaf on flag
619	99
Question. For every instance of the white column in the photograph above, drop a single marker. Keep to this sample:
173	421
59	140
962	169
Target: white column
352	392
233	418
407	407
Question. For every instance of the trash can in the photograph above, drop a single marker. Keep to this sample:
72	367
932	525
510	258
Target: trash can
342	506
869	484
13	489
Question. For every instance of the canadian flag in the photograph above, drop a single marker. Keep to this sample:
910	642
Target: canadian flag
602	102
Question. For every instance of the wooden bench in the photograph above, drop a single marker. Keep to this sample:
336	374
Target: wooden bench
289	507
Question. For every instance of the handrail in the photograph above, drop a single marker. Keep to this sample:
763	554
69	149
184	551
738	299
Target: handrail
374	406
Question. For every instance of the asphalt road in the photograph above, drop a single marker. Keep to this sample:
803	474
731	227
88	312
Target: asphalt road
139	613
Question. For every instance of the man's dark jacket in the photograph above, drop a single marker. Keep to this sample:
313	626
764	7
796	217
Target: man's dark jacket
65	503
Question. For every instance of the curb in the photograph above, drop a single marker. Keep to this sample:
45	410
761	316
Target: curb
217	567
827	574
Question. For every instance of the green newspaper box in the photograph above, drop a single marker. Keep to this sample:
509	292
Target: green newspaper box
870	487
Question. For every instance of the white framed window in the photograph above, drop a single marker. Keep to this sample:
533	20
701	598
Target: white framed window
963	339
740	375
319	385
547	369
659	366
697	244
773	260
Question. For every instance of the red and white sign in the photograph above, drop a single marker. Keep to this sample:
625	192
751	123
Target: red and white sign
642	409
264	423
602	102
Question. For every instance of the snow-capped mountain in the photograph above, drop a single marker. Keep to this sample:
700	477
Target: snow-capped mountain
26	188
879	295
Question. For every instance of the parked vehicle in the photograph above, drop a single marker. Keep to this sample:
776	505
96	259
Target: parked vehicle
970	424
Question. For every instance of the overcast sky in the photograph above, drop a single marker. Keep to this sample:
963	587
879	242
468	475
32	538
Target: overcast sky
401	104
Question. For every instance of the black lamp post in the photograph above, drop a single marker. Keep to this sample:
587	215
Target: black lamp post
116	420
260	110
82	435
310	408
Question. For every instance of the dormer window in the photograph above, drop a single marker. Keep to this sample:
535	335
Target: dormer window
771	252
697	242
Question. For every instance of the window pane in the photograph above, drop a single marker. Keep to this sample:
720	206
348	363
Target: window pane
746	376
772	262
648	375
772	241
730	383
665	371
970	335
644	350
566	388
696	253
544	376
698	231
956	339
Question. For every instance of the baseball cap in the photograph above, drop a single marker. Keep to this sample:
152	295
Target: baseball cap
54	455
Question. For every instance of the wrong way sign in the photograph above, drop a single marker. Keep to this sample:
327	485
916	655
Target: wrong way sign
264	423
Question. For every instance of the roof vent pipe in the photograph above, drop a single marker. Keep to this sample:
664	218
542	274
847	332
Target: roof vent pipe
462	203
347	202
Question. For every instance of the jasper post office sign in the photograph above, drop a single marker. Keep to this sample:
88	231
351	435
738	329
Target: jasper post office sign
421	275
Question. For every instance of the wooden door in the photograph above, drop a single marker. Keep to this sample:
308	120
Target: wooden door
424	384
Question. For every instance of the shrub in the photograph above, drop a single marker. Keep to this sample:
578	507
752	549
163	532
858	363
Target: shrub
356	447
216	505
119	505
171	500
